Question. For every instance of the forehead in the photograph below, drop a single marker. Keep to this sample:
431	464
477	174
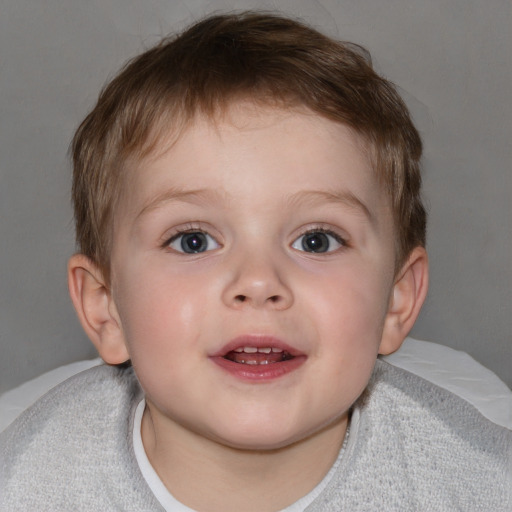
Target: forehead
249	149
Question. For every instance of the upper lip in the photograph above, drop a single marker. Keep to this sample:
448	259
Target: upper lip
257	341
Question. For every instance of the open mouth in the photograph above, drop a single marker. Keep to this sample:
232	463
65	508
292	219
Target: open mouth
258	355
258	358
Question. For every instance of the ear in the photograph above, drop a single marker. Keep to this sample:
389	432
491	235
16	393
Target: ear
407	297
96	309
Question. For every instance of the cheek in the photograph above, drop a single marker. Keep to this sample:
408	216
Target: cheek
350	308
160	310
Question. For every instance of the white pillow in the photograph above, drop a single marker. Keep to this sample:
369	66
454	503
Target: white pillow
448	368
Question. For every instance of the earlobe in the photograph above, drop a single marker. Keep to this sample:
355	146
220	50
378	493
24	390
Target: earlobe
95	308
407	297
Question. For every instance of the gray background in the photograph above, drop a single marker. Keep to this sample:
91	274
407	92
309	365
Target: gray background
451	58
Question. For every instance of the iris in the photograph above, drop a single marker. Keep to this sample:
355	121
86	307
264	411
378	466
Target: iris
315	242
194	242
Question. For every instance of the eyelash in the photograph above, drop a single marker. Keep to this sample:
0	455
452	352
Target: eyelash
328	232
192	229
187	230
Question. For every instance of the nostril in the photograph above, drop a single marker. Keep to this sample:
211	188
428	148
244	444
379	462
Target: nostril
274	299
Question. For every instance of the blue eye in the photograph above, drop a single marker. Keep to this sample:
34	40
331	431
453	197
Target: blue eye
318	242
193	242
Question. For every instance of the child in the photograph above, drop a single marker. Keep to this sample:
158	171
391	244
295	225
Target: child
251	235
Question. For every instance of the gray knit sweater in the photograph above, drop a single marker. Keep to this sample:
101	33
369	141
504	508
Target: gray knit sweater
412	447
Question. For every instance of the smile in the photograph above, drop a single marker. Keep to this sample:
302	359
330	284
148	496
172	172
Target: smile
258	358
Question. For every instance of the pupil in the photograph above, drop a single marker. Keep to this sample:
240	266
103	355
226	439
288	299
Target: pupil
315	242
193	242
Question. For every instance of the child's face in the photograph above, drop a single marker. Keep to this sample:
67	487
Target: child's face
265	230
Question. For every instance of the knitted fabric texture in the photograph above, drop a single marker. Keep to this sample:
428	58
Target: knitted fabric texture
412	446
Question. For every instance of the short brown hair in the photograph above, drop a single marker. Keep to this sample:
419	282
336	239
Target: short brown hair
263	57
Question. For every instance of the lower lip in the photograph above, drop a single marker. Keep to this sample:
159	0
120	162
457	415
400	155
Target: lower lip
259	372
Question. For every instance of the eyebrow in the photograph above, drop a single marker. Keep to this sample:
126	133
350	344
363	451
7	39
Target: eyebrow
205	196
197	196
343	197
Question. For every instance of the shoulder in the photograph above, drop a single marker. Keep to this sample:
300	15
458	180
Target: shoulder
412	443
403	398
72	443
429	422
80	401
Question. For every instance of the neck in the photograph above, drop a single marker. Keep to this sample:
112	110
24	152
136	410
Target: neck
208	475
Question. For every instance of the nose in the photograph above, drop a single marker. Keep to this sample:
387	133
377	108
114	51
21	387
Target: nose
257	282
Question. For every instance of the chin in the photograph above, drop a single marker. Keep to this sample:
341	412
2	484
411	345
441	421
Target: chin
255	437
257	444
268	437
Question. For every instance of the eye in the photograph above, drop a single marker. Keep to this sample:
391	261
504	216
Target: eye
192	242
318	241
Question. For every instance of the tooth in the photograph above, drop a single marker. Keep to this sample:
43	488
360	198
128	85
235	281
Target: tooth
250	350
264	362
251	362
265	350
277	350
238	349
